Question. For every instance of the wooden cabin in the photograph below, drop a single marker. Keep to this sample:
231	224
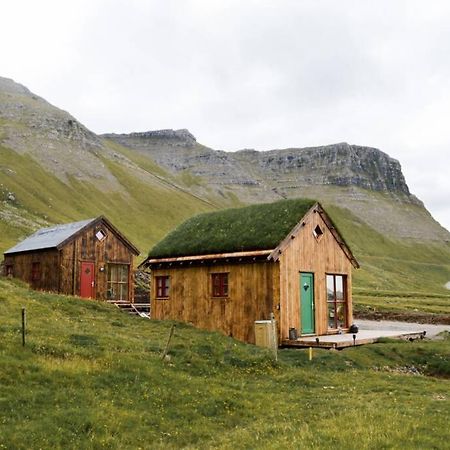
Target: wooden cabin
225	270
91	259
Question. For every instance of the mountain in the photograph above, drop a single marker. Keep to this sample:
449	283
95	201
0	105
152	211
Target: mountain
362	179
53	169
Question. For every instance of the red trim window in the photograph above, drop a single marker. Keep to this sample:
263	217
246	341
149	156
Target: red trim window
35	271
162	286
219	284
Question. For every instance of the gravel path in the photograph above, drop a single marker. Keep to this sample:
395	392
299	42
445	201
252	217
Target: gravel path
432	330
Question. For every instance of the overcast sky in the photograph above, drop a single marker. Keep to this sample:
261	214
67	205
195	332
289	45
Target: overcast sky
249	73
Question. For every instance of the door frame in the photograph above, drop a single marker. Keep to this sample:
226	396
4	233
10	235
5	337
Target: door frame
92	264
313	308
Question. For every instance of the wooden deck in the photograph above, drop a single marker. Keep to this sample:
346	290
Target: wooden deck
338	341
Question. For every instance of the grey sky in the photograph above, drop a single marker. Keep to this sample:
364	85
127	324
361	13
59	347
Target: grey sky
249	73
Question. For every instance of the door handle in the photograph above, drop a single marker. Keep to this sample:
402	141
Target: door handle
92	284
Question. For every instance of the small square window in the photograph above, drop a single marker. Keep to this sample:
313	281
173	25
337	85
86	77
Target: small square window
162	286
317	232
219	284
100	235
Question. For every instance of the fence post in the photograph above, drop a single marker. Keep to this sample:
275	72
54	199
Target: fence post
168	342
274	336
24	325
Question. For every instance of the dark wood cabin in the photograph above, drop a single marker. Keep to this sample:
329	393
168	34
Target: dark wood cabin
91	259
225	270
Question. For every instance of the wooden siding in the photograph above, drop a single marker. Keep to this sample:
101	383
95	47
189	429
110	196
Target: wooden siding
60	269
48	262
86	247
305	253
253	290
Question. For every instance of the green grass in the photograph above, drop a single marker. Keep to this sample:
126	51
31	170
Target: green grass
146	209
92	377
395	275
255	227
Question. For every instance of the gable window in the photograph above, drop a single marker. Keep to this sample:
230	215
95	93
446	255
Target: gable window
117	282
100	235
9	270
35	271
317	232
337	301
219	284
162	286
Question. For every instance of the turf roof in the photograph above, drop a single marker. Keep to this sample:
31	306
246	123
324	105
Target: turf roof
256	227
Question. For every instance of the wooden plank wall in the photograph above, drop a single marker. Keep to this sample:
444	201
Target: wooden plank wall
86	247
307	254
60	270
48	260
253	294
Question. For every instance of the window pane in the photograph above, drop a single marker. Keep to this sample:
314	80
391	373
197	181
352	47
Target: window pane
124	292
124	274
339	288
111	292
330	288
331	321
162	286
340	312
112	272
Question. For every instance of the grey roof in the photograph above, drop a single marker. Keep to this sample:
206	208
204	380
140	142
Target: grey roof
49	237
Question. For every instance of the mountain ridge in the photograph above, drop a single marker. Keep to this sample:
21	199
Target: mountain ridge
53	169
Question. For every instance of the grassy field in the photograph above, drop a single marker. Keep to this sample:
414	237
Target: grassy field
92	377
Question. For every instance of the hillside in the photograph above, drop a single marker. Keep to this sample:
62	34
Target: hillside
53	169
92	377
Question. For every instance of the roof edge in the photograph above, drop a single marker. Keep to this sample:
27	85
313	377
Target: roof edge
149	261
94	222
317	207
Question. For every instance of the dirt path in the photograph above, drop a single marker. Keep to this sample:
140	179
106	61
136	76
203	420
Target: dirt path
404	316
432	330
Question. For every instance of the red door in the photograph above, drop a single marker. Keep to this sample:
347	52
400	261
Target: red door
87	280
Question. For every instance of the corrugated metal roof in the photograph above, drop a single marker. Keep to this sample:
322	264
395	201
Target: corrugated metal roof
49	237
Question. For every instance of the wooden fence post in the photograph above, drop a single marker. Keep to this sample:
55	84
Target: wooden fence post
168	342
24	324
274	336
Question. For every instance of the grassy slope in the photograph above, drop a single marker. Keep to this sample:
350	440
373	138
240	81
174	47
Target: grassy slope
395	275
144	211
92	377
147	209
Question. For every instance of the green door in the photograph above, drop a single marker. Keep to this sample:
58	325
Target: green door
307	303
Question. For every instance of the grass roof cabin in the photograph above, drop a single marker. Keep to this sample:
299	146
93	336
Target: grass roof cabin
225	270
90	258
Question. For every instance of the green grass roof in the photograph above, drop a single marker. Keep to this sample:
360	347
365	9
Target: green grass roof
256	227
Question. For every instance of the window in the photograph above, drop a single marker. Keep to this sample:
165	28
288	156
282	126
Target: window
100	235
337	301
219	284
162	286
9	270
35	271
117	282
317	232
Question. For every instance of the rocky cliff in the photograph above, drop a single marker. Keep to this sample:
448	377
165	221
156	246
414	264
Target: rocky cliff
338	164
